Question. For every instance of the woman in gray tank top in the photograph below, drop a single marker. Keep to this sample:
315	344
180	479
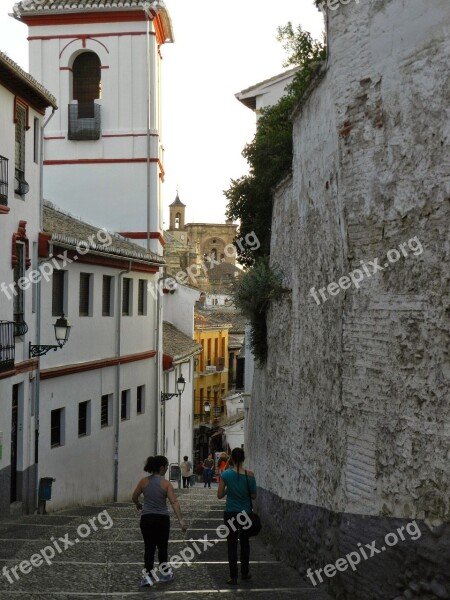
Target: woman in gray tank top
155	521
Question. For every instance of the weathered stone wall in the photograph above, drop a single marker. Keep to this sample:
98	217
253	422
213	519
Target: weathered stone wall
351	415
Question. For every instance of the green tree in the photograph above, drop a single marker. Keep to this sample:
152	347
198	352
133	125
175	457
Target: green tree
250	198
269	155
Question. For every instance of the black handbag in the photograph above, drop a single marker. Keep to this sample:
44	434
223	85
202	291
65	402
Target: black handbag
256	526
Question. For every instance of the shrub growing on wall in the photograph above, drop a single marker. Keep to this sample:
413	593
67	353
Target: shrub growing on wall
269	156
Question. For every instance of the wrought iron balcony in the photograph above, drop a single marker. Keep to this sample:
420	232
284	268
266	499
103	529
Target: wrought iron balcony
84	121
7	347
22	187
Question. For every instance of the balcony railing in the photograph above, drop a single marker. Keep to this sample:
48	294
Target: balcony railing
7	347
3	181
84	121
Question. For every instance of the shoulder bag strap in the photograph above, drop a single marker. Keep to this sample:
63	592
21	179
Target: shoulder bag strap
248	487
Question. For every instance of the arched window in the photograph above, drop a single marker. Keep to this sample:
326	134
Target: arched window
86	83
213	254
177	220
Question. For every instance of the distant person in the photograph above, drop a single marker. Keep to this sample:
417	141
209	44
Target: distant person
208	467
155	520
186	472
235	485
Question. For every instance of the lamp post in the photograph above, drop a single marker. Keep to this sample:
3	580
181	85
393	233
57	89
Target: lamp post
62	332
181	384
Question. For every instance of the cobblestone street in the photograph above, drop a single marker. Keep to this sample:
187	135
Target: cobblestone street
108	563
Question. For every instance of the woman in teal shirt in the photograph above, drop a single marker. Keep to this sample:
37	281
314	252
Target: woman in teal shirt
238	485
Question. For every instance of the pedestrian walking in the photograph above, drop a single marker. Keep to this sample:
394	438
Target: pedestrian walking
239	486
155	520
186	472
208	467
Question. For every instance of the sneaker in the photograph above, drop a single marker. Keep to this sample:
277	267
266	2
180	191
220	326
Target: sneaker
166	578
146	581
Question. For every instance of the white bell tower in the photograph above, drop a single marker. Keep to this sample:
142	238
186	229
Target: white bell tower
102	149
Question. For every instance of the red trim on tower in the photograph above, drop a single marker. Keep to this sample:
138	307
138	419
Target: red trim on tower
55	137
94	161
167	362
4	210
77	36
142	235
119	16
120	135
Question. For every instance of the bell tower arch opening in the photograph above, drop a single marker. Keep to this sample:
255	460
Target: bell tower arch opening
86	82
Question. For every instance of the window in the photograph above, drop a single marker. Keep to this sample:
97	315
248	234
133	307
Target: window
127	296
3	181
37	134
125	405
58	293
107	296
84	418
86	83
22	186
140	399
106	410
142	297
57	427
19	273
85	294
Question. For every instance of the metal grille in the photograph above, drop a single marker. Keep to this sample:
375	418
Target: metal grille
7	346
21	186
19	272
3	180
126	296
82	127
85	287
106	296
104	411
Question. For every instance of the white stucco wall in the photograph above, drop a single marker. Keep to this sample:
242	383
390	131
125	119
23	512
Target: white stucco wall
367	164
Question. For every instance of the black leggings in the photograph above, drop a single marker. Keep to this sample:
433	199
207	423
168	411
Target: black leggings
232	543
155	531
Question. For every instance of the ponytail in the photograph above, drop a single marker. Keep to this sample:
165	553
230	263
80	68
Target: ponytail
238	457
154	463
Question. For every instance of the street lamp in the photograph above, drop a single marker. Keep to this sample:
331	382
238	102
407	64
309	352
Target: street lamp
181	383
62	332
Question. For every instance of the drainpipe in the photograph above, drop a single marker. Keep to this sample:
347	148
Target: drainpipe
37	383
146	8
118	350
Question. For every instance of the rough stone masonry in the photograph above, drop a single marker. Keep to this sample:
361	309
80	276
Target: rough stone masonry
349	425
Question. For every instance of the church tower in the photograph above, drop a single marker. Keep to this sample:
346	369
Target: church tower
102	148
177	215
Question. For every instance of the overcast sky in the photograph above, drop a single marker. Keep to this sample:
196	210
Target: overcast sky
219	50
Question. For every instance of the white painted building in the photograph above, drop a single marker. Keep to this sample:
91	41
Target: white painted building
103	148
266	93
180	351
22	105
98	402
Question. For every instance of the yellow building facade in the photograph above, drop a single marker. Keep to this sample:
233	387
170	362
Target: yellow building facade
211	371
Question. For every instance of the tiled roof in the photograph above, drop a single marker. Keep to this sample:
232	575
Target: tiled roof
11	73
223	272
178	345
69	230
217	317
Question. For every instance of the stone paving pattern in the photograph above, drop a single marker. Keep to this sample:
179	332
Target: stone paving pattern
108	563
